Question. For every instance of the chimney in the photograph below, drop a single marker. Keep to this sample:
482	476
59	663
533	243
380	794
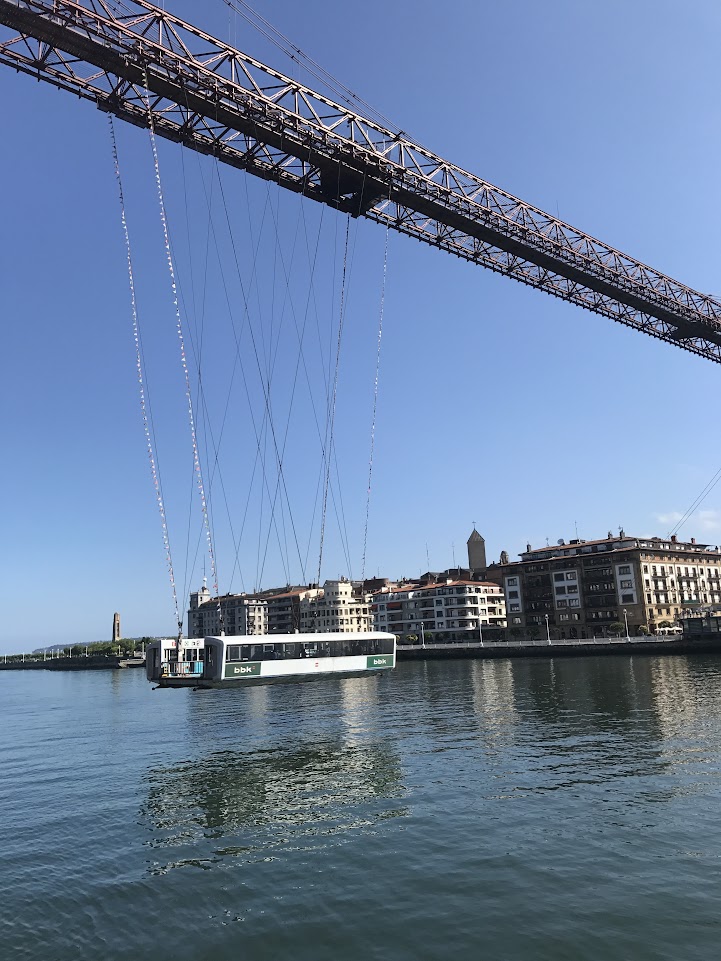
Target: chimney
693	540
673	538
528	547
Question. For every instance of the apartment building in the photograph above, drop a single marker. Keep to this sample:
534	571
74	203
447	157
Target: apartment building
284	608
580	588
450	610
241	614
340	606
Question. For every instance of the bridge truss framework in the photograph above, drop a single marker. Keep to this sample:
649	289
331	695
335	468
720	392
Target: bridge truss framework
140	62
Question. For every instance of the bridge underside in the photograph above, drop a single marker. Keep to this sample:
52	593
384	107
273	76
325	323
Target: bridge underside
150	68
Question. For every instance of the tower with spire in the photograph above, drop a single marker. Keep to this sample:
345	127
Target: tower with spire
476	551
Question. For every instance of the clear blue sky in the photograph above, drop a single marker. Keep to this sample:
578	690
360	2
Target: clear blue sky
497	404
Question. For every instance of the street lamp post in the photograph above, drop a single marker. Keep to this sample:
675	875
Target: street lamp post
625	617
548	629
480	630
423	635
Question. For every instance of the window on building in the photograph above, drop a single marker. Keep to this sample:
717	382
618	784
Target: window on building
512	581
514	607
516	620
627	599
626	584
570	575
512	594
560	590
574	602
559	577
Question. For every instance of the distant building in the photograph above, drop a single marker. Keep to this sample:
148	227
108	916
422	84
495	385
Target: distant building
476	551
449	610
583	587
341	606
284	608
241	614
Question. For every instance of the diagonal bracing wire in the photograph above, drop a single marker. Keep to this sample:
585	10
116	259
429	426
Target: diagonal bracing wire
144	403
375	404
330	424
183	358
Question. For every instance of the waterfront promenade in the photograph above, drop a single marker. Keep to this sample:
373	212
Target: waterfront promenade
563	647
93	662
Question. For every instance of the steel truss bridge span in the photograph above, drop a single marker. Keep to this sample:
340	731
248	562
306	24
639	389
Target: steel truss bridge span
146	66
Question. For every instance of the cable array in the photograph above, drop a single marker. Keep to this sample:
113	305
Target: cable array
375	404
330	423
183	358
144	403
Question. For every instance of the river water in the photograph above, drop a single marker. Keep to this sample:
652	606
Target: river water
523	809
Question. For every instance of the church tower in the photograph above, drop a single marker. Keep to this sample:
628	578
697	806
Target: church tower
476	552
116	628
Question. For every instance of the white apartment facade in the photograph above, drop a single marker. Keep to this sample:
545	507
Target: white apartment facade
449	611
341	606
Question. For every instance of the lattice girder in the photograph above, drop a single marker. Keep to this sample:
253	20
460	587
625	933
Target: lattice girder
208	96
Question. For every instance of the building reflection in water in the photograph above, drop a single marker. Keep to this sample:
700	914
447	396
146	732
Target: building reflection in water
494	695
290	785
687	702
359	696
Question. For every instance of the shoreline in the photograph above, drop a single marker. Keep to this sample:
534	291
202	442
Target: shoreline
683	644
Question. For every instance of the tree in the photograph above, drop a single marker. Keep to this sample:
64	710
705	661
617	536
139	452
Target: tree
616	627
643	630
533	631
665	624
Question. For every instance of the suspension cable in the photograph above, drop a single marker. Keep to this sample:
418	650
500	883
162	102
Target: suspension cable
286	46
375	405
144	402
330	423
183	359
696	503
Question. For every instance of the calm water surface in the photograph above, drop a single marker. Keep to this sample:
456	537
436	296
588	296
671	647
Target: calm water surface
501	810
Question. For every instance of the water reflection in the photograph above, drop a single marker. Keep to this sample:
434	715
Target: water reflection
494	697
251	803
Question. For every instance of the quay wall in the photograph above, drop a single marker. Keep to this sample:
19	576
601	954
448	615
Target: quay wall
681	644
94	662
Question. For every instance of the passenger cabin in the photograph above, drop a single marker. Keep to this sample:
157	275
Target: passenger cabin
162	662
229	661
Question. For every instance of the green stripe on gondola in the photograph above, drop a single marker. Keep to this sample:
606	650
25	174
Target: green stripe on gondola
246	669
379	660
